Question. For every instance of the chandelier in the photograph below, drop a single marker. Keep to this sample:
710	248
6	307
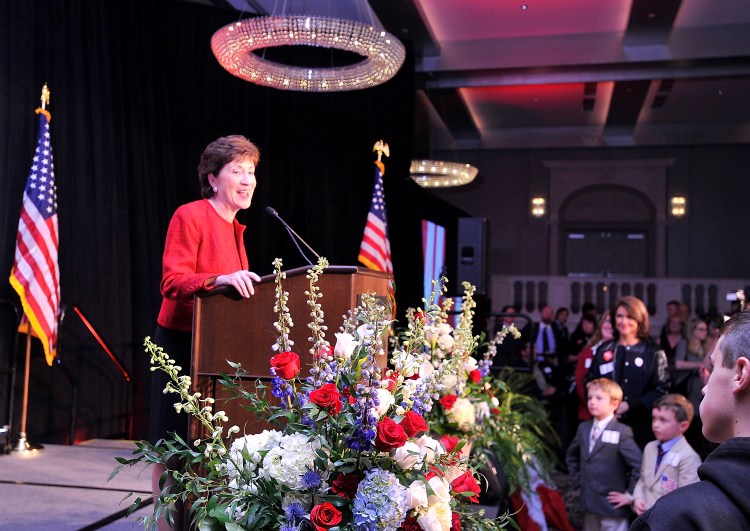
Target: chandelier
355	29
441	174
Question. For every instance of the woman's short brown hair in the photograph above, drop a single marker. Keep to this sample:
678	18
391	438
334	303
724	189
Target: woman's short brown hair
637	311
221	152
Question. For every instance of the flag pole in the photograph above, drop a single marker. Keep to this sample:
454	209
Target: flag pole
23	444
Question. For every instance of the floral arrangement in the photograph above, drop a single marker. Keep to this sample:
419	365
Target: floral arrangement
350	449
473	408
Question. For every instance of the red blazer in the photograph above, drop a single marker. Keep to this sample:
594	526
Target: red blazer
580	375
200	246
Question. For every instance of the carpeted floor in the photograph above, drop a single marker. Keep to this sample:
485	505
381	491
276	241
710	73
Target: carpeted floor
65	488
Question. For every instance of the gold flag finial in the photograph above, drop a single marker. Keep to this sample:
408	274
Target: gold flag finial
382	149
45	96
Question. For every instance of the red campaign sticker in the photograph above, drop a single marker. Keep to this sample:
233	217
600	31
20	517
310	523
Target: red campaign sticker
608	355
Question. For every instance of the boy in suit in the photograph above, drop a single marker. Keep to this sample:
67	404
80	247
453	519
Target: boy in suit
603	458
669	462
720	499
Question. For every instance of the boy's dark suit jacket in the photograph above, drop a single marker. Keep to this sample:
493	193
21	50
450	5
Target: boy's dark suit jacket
609	467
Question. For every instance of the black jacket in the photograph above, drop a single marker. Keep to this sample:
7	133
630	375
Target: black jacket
641	370
721	500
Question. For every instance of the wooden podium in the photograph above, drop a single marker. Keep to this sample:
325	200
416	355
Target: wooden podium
228	327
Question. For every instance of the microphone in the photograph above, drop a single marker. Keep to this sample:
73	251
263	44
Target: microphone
295	237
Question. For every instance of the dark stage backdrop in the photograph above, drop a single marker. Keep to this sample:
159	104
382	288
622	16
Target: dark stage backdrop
136	96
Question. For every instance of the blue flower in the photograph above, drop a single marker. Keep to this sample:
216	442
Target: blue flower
379	504
294	512
311	479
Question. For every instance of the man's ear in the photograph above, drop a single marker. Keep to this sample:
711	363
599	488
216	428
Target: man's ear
683	426
741	380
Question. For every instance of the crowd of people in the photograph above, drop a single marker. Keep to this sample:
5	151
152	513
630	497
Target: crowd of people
627	406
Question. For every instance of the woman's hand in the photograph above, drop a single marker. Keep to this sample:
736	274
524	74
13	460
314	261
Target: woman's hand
623	408
241	280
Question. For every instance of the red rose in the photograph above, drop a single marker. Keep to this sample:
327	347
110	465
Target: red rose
475	376
420	317
465	483
410	524
390	435
345	485
286	365
455	522
449	442
495	411
413	424
447	401
325	516
327	397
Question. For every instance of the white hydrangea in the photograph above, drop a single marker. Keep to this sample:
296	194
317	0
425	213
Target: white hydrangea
251	446
290	459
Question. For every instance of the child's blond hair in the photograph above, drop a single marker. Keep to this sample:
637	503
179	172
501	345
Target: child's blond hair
610	387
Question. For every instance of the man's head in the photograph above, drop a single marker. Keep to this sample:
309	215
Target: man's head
561	315
673	307
671	416
604	397
508	319
725	409
545	314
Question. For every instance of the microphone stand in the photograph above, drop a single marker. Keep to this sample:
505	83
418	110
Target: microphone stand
294	236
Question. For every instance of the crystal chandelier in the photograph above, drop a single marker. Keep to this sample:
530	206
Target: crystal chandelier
346	25
441	174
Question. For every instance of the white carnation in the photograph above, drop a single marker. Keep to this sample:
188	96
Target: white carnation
463	414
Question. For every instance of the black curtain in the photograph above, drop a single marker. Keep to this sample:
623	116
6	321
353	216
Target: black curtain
136	96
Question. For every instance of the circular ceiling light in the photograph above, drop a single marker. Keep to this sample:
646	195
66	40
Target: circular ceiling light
441	174
382	54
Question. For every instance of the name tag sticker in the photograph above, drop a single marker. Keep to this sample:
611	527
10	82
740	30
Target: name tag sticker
587	363
611	437
672	459
606	368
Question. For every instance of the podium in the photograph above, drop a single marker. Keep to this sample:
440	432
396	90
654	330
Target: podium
228	327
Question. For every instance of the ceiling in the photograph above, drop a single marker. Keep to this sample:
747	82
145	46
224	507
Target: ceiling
497	74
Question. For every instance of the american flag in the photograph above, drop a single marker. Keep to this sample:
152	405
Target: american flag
35	274
375	251
668	483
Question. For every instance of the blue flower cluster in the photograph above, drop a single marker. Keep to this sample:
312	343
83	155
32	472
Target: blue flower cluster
379	504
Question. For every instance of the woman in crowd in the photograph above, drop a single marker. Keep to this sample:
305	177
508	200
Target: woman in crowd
635	362
689	360
673	338
583	334
204	249
602	334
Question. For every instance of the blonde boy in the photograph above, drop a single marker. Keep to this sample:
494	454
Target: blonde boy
603	457
669	462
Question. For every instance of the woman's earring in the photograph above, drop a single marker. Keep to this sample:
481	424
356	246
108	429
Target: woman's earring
216	190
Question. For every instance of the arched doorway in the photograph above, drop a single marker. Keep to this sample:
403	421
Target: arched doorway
607	230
